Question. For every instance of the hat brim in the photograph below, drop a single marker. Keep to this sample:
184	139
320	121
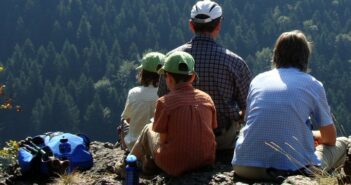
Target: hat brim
161	71
139	67
197	79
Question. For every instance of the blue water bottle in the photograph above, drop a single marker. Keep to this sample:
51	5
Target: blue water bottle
132	174
65	149
64	146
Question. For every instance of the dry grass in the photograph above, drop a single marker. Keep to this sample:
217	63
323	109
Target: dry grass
320	175
328	181
337	177
69	179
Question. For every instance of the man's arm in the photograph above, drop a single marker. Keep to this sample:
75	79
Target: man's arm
325	135
243	81
242	117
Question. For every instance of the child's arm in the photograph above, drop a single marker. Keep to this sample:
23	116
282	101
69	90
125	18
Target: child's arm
126	121
325	135
163	138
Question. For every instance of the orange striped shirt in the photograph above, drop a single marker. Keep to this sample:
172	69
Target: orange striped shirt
188	117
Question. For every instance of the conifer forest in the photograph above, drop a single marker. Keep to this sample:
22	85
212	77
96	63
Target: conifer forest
67	65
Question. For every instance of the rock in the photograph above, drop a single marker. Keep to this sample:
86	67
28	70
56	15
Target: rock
108	145
300	180
106	155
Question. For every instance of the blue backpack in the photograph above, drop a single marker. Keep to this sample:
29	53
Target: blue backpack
34	153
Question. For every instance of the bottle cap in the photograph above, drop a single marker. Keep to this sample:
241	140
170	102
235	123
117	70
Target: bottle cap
63	140
131	158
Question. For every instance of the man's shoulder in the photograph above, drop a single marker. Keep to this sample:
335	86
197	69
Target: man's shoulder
217	47
231	56
183	47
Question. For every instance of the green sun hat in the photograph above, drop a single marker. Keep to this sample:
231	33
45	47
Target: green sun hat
152	62
173	61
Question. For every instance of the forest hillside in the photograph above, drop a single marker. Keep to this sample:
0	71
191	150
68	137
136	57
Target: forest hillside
69	63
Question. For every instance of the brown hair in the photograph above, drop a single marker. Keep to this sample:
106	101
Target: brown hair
206	27
146	78
179	78
292	49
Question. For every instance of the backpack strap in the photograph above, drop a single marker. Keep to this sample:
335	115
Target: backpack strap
85	139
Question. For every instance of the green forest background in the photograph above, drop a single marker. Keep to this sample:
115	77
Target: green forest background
70	63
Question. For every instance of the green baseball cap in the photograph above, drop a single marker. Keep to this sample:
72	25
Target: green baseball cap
151	61
174	59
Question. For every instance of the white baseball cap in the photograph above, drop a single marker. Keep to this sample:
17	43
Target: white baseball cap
211	11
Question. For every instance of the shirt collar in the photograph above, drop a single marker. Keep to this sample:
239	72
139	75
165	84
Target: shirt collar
203	37
292	69
184	86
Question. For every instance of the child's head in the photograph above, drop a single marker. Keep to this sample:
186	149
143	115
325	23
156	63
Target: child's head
149	66
292	49
179	66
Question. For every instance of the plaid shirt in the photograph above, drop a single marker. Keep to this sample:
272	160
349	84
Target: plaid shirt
222	74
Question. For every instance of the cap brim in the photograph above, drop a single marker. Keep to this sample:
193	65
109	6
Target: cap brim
201	21
139	67
161	71
196	77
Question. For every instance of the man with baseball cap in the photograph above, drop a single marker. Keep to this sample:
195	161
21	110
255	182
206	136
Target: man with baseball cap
181	138
222	74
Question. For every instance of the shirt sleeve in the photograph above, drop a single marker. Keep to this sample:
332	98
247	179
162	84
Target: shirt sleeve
214	113
161	118
214	118
162	87
322	112
127	108
242	82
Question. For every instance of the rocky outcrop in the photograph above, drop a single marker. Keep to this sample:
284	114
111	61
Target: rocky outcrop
106	155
